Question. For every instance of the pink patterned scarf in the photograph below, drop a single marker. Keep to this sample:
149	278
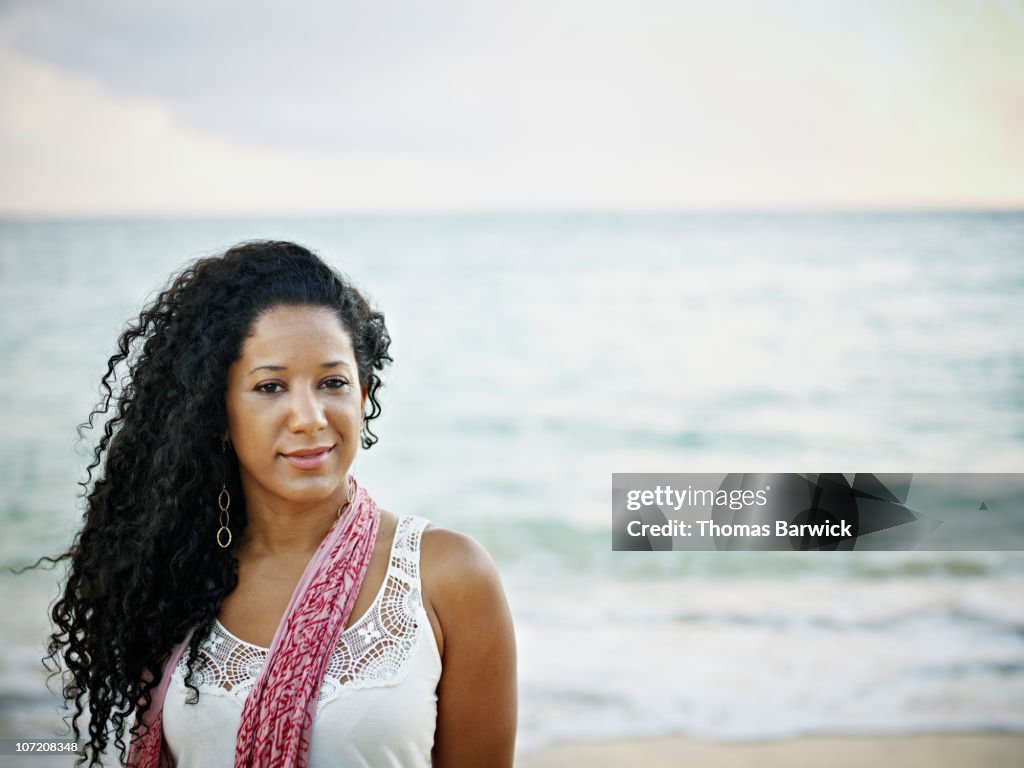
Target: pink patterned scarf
278	715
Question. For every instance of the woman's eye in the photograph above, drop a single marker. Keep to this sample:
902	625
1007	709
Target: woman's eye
335	383
269	387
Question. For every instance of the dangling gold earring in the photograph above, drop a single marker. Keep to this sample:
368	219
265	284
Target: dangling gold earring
224	502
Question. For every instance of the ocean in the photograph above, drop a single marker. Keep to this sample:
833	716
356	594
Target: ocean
535	355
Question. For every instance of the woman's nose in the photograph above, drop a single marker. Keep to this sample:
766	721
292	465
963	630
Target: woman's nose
307	412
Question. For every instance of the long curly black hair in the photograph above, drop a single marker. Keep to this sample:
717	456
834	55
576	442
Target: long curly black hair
145	567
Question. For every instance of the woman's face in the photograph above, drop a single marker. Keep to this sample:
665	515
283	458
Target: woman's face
295	407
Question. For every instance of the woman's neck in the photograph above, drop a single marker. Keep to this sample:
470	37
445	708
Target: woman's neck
288	528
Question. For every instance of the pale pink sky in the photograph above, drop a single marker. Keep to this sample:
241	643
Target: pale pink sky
140	108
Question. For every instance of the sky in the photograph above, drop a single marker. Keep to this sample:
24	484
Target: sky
134	107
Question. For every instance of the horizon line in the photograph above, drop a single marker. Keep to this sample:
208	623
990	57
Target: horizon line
125	216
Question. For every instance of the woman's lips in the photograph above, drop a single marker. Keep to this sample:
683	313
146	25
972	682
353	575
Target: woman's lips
311	458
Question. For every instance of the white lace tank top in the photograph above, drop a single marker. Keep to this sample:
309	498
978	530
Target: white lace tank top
378	702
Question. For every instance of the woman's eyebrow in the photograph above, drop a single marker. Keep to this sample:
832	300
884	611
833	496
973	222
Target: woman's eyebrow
267	368
331	364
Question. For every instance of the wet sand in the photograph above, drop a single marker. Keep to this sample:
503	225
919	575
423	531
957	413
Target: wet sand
926	751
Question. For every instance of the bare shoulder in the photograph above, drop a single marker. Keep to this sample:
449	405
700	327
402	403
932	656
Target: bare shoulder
461	585
476	720
451	559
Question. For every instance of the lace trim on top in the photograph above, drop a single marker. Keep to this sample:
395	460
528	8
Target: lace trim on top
375	651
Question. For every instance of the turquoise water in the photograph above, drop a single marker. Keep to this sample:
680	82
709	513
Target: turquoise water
536	355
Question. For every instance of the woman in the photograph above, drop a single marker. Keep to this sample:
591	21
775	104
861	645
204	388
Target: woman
235	596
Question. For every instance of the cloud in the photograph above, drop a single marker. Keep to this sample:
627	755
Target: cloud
322	107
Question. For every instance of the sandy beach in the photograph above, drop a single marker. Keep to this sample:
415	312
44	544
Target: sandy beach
931	750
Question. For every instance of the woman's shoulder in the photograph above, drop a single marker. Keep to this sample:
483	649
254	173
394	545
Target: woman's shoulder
476	719
450	558
460	579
